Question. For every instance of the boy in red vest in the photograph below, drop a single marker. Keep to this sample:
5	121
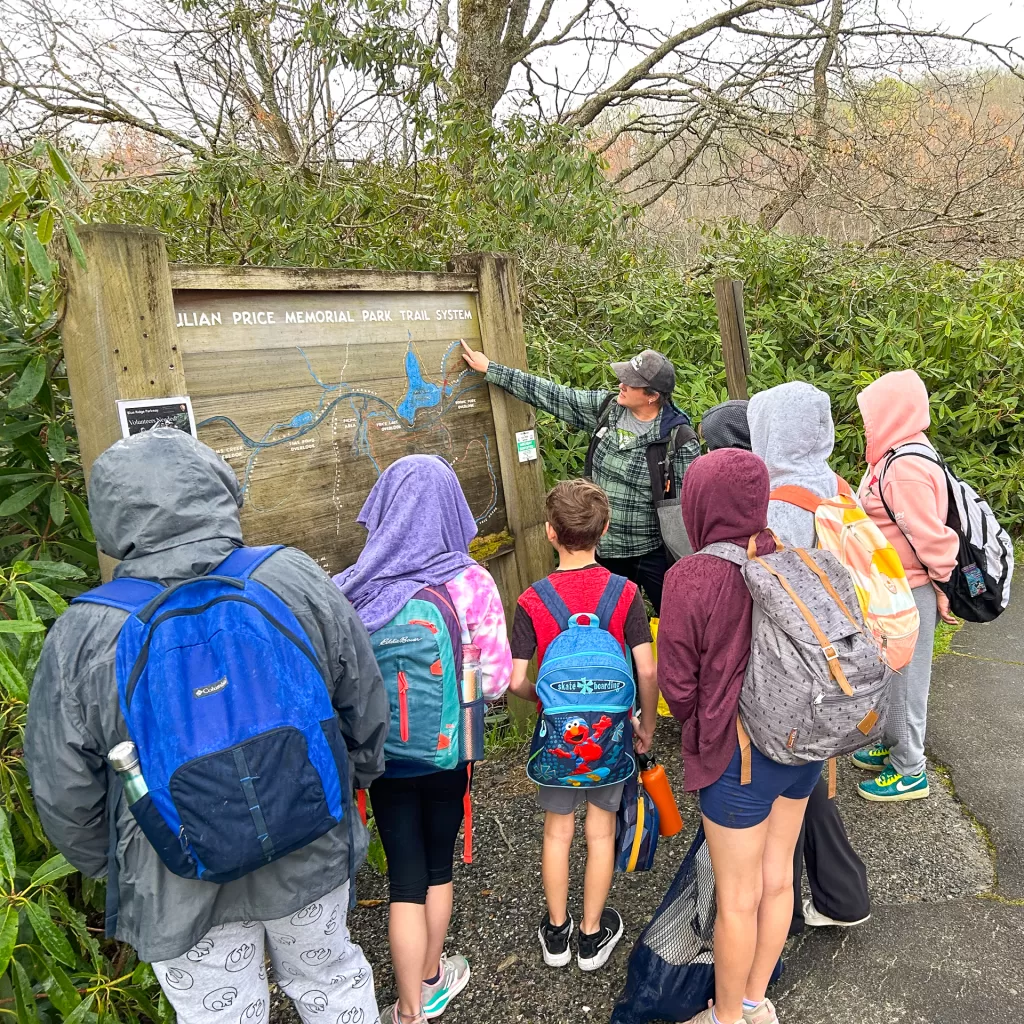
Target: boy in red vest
577	514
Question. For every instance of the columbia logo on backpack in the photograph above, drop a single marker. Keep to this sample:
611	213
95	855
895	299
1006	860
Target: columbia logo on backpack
227	704
585	686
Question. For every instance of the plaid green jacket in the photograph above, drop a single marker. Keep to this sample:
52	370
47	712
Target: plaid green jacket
622	472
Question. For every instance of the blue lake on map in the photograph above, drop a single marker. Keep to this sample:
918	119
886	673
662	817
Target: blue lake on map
421	394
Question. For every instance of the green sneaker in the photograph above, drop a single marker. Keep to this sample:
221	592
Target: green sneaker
871	759
890	786
454	978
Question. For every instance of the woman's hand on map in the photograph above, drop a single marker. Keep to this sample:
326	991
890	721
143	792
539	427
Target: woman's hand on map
477	360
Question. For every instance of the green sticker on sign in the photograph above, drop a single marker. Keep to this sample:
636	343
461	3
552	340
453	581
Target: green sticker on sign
526	445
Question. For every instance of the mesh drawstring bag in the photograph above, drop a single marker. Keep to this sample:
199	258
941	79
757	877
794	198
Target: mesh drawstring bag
671	975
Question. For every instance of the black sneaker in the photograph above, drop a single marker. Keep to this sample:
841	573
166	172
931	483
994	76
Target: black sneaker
554	942
595	949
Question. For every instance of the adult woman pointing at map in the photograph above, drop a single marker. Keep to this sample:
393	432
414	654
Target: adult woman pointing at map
640	447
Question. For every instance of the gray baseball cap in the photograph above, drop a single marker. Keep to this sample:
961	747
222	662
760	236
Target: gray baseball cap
650	369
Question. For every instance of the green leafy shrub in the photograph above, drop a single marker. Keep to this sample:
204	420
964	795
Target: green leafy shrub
54	965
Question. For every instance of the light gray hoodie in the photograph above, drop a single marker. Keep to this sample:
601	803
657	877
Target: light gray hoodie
791	429
167	506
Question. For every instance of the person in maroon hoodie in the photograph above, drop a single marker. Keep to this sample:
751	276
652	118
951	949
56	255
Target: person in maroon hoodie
703	648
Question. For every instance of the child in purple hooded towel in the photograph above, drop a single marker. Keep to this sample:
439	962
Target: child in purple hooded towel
419	526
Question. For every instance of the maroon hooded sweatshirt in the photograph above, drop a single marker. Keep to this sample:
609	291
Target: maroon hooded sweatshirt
704	633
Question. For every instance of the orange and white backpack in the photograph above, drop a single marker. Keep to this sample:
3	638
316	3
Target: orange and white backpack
846	530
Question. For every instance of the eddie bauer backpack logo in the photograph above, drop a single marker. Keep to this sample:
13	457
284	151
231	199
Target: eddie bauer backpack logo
816	686
419	653
227	703
583	737
979	588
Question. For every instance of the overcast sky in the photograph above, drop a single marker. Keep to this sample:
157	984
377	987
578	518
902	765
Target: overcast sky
999	20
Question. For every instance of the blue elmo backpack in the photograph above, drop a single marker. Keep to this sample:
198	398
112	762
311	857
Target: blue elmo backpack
584	737
225	699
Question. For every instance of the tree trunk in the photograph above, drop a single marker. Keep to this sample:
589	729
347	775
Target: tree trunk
483	66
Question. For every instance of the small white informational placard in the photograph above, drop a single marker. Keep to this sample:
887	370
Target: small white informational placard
526	445
139	414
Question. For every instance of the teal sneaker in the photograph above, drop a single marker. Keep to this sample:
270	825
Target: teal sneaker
890	786
454	978
871	759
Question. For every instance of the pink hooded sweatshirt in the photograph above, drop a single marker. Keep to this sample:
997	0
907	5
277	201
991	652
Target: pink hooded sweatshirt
895	411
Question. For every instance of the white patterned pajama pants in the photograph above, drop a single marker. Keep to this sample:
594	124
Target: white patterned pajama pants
222	979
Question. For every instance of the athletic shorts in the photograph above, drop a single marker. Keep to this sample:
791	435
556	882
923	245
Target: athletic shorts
565	799
731	805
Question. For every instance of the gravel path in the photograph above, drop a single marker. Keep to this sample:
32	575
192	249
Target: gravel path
922	851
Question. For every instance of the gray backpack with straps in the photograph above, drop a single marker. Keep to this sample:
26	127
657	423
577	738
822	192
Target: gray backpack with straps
816	686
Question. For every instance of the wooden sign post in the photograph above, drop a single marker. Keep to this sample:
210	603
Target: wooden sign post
309	383
731	326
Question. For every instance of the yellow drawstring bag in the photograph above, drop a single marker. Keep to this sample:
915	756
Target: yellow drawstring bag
663	710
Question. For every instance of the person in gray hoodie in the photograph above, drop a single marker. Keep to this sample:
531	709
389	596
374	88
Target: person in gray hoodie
791	429
166	505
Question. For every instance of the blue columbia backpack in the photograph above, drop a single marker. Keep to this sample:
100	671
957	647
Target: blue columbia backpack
227	703
584	735
419	653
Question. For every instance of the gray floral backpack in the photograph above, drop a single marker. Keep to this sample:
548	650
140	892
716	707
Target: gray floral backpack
816	686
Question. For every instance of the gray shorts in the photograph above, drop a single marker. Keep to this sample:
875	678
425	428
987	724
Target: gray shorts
565	799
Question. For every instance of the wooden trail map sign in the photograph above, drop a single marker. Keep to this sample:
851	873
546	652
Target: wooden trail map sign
310	383
311	395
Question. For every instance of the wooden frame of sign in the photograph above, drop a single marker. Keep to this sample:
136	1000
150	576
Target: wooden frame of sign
310	382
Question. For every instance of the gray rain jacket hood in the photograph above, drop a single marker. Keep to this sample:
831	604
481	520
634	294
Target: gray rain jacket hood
791	429
167	505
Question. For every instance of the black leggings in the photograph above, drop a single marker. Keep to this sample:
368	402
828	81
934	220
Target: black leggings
839	880
418	820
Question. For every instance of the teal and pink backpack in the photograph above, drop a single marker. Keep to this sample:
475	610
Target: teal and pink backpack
419	653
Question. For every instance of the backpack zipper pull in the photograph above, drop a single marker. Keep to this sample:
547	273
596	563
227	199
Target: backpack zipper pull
403	706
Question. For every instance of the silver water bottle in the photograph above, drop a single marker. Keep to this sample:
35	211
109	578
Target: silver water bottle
124	759
471	709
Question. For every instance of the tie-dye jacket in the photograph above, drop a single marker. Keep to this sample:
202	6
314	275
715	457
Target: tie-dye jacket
478	605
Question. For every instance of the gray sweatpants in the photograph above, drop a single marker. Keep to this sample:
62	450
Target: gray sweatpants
907	719
223	977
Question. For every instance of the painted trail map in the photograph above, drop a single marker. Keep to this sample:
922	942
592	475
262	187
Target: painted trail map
310	396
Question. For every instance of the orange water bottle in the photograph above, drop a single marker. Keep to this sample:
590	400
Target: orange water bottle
656	782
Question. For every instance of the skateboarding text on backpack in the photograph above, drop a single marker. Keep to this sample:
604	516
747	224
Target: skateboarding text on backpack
584	736
419	653
848	532
979	589
227	703
816	686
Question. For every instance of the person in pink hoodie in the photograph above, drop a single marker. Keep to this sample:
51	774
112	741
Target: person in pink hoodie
895	412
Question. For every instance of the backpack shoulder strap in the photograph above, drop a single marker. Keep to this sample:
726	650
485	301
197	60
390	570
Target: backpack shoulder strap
799	496
610	599
243	562
660	454
603	415
723	549
126	593
680	435
552	600
843	488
